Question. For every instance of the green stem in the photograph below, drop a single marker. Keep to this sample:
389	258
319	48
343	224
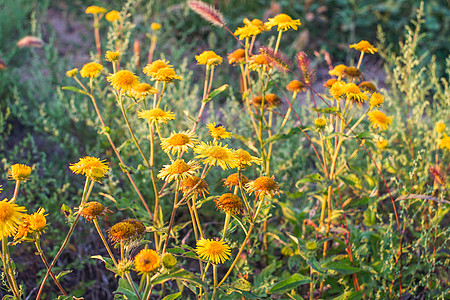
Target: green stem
225	225
16	191
104	241
8	268
278	41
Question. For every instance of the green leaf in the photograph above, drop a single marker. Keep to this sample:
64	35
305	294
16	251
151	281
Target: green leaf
215	93
74	89
350	295
126	289
317	178
282	136
364	135
172	297
289	284
181	274
341	267
327	110
63	273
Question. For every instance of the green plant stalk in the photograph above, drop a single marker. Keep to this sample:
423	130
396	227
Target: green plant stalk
360	60
155	96
8	268
132	286
16	191
37	243
172	217
244	197
288	112
162	93
246	99
194	222
108	249
157	215
225	225
85	196
280	32
197	219
215	282
208	81
269	134
108	136
97	36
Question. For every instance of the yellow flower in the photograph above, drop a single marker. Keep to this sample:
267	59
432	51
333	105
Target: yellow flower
178	170
364	46
112	16
72	73
337	70
233	180
167	75
367	86
155	26
215	251
320	123
270	100
376	99
11	216
329	83
122	231
91	70
146	261
230	204
209	58
123	80
139	227
37	220
257	62
263	185
190	182
354	93
283	21
91	167
379	120
236	57
218	131
381	144
141	90
93	210
95	10
216	155
295	86
243	158
156	115
440	127
352	73
19	172
338	89
247	31
179	142
112	56
444	142
154	67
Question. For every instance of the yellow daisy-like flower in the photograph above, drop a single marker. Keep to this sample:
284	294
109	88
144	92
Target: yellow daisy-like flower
382	144
93	210
379	120
440	127
244	159
122	231
216	252
154	67
155	26
444	142
236	57
218	131
354	93
91	167
258	62
139	227
167	75
123	80
320	123
284	22
190	182
233	180
337	70
216	154
270	100
141	90
72	73
95	10
364	46
156	115
178	170
338	89
179	142
376	99
112	16
329	83
247	31
112	56
147	261
367	86
209	58
263	185
295	86
352	73
91	70
37	220
11	216
19	172
230	204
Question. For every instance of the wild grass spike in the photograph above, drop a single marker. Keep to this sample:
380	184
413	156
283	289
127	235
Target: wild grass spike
208	12
277	59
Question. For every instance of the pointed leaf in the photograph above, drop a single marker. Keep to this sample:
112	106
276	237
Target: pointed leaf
181	274
74	89
289	284
341	267
173	296
352	295
215	93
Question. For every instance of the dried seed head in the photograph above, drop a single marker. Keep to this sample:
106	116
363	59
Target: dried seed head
277	59
303	63
208	12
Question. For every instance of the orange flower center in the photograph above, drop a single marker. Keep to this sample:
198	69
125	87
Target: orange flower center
179	139
6	211
265	183
178	167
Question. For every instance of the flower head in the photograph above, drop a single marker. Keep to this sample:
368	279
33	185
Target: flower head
155	26
178	170
352	72
283	22
444	142
19	172
72	73
169	261
139	227
190	182
354	93
376	99
218	131
338	89
367	86
93	210
216	154
270	100
123	80
91	70
263	185
233	180
179	142
381	144
440	127
295	86
258	61
154	67
112	16
146	261
37	221
364	46
329	83
209	58
11	216
236	57
244	159
91	167
215	251
230	204
141	90
122	231
95	10
337	70
167	75
379	120
112	56
156	115
320	123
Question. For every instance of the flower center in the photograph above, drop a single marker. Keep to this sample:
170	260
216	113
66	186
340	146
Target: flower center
179	139
215	247
218	153
283	18
178	167
6	211
265	184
